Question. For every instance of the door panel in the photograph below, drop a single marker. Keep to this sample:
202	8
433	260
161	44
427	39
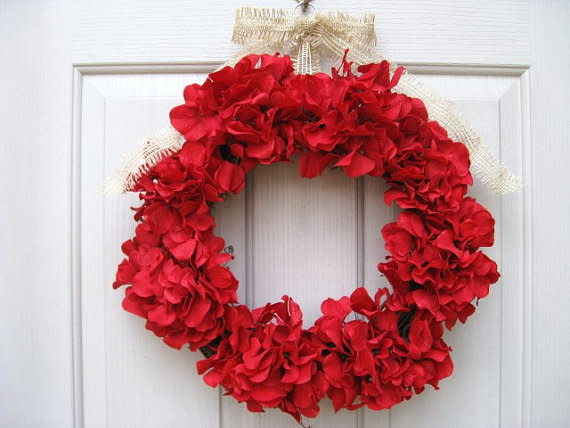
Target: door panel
310	239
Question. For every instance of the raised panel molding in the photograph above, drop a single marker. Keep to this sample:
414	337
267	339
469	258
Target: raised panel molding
116	358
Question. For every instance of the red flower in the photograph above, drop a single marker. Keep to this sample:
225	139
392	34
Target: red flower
266	360
174	298
379	361
430	172
233	110
437	267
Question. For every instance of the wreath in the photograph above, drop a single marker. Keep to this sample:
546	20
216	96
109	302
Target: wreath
261	112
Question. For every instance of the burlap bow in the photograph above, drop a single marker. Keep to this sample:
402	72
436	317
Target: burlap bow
306	39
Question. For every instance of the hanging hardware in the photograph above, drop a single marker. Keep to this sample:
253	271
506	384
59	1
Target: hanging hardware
305	5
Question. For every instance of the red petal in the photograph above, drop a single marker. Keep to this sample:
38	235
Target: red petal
185	250
420	337
162	315
355	164
176	341
192	153
313	164
425	300
125	273
332	367
230	177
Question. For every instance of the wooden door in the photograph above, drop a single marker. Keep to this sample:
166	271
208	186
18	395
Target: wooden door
99	75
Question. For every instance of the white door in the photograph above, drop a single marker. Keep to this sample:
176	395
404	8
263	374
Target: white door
82	81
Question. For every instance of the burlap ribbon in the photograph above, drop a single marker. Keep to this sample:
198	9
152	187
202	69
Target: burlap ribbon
306	39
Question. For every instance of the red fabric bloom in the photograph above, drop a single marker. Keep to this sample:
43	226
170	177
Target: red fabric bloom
383	359
435	263
266	360
261	112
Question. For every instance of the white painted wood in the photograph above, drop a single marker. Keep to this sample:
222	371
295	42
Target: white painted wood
304	237
432	31
548	294
512	116
92	307
69	355
36	387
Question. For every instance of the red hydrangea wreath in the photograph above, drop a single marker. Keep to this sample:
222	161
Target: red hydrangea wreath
262	112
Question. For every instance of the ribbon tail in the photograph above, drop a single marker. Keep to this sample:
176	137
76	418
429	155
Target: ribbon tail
307	60
139	161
